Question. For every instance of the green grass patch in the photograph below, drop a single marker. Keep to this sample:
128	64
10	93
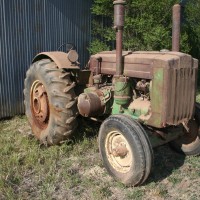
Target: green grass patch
74	169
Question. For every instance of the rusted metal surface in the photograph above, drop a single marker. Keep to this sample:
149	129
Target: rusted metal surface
173	90
173	76
135	64
119	90
60	58
119	9
90	105
176	20
95	102
181	91
72	56
120	150
39	105
141	108
190	138
97	77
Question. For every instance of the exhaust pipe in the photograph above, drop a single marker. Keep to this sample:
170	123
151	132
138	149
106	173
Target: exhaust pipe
176	21
122	89
119	10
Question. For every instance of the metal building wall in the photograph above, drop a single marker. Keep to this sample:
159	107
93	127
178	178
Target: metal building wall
28	27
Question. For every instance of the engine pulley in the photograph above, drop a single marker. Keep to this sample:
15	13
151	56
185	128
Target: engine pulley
89	105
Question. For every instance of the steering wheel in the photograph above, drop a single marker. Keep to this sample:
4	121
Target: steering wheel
69	46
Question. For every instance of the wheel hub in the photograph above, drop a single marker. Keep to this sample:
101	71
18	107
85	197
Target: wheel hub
118	152
39	104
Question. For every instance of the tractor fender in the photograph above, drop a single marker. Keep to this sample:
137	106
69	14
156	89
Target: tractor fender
60	58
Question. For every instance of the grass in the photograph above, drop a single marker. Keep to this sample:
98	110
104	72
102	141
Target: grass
198	97
74	170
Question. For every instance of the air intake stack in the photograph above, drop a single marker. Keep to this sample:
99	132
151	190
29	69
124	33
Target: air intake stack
119	10
121	83
176	21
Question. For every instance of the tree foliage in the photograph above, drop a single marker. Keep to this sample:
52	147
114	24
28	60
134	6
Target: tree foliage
148	26
192	26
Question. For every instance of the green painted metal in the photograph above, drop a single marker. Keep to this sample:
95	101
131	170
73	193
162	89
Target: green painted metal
171	133
89	89
122	90
141	111
157	99
108	99
119	109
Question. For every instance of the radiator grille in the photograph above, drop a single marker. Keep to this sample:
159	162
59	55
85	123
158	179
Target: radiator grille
181	95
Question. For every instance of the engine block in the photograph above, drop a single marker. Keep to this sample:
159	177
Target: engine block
173	77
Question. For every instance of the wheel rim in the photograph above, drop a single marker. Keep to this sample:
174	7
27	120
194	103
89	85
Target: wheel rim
118	152
39	105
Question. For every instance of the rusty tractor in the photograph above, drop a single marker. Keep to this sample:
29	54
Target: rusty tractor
145	99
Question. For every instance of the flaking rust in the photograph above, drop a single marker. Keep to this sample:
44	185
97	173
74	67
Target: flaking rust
143	99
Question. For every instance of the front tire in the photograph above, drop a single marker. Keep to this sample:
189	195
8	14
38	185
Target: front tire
50	102
189	143
125	150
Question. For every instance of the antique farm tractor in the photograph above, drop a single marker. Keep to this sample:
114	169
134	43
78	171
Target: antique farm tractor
145	99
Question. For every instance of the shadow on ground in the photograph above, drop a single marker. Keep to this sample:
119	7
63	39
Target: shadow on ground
166	161
86	129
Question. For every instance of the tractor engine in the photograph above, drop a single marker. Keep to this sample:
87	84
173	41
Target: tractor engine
158	88
155	88
95	102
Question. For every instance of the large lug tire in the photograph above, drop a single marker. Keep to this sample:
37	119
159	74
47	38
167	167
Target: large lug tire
125	150
50	102
189	143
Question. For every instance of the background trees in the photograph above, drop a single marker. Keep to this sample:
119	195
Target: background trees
148	26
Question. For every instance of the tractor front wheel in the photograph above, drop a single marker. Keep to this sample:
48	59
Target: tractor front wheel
125	150
50	102
189	143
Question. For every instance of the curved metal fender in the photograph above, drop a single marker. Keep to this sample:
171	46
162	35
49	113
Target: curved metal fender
59	57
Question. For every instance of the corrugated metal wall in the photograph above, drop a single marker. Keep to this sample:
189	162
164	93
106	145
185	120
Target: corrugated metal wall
28	27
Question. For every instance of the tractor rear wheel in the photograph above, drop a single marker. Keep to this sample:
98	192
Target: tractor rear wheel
189	143
125	150
50	102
